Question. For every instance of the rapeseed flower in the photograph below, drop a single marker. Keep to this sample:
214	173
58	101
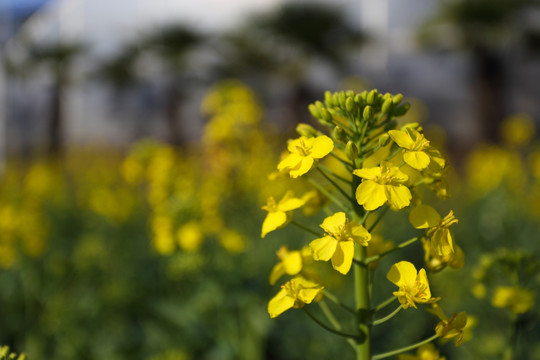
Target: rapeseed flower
294	294
438	229
450	327
514	298
338	244
435	262
291	262
382	184
279	214
303	154
424	352
413	285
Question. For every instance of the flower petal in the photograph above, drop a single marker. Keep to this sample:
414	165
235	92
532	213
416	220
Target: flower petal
323	248
293	263
403	274
360	235
401	138
416	159
280	303
371	195
273	221
424	216
368	173
322	146
290	162
343	257
332	224
304	166
398	196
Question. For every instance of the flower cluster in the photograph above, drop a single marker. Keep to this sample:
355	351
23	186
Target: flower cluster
364	166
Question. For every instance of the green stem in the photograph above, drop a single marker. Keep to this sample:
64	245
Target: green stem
326	327
361	295
387	317
364	218
336	301
305	228
508	353
327	194
335	323
334	183
383	254
381	215
384	304
403	349
347	181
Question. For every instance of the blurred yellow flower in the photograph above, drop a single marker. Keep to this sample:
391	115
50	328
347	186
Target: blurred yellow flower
413	285
279	214
438	229
291	262
382	184
424	352
435	262
303	154
232	241
190	236
338	244
515	299
449	327
518	130
294	294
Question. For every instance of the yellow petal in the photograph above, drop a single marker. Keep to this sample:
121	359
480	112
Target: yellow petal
443	242
398	196
401	138
422	280
416	159
294	144
371	195
360	234
343	257
277	271
323	248
290	162
403	274
280	303
424	216
273	221
369	173
289	202
322	146
293	263
305	165
333	223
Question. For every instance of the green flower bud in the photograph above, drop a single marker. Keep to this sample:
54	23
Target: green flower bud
390	125
339	134
306	130
401	110
368	113
319	105
372	97
342	98
325	114
358	99
349	93
335	99
386	105
349	104
384	139
397	98
328	98
351	150
314	111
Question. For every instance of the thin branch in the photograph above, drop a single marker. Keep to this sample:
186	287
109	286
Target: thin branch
326	327
305	228
383	254
403	349
339	177
343	192
327	194
381	214
336	301
387	317
330	316
384	304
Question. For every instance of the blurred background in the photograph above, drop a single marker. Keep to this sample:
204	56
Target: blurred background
136	138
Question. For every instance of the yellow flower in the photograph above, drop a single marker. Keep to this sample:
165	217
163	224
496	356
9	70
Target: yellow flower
516	299
435	262
294	294
424	352
413	285
291	262
382	184
303	153
415	147
442	237
279	214
449	327
338	244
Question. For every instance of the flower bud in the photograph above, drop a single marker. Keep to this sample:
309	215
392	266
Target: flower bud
349	104
384	139
372	97
314	111
306	130
386	105
325	114
339	134
390	125
397	98
328	98
368	113
351	150
349	93
342	98
401	110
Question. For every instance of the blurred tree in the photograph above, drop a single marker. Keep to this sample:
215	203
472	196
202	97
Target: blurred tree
484	28
288	43
55	58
